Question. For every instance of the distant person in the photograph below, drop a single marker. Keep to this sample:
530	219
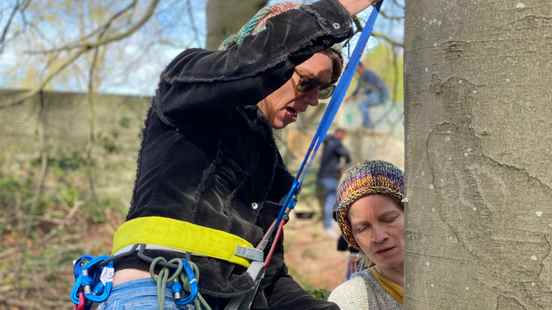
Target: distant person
371	217
371	91
334	158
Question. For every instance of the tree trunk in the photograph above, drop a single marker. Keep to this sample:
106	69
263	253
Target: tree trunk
225	17
479	154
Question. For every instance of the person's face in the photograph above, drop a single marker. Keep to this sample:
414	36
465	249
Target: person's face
282	107
377	223
340	134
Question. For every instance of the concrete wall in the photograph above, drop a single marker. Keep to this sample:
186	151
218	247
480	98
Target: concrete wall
66	126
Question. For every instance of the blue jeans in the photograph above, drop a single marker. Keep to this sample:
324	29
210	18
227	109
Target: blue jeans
368	101
138	294
329	185
142	295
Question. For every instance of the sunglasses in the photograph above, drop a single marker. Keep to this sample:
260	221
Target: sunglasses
307	83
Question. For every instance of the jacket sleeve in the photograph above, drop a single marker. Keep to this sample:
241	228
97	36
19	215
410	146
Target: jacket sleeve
288	295
199	79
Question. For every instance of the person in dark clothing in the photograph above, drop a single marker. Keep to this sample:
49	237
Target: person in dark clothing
334	157
210	177
371	91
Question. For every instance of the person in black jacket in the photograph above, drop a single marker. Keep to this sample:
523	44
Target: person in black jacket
210	177
335	157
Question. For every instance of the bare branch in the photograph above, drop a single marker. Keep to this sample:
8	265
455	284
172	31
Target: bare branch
92	120
116	37
7	26
20	99
100	29
388	39
400	5
389	17
192	22
18	7
82	49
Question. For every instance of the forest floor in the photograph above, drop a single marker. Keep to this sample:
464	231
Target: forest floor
311	254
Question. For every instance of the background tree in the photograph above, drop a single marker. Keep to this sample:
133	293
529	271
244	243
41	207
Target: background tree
478	145
226	17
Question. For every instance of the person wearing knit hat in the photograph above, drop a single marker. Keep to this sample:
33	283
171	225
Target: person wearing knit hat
210	174
370	213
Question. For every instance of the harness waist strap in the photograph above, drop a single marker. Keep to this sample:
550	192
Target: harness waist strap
182	236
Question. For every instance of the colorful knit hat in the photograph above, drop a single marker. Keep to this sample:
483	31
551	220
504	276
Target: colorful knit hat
366	178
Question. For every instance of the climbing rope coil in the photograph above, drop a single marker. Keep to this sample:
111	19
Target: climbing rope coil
94	275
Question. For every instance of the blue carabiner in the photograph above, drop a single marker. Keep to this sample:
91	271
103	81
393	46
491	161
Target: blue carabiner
94	282
81	277
193	284
102	280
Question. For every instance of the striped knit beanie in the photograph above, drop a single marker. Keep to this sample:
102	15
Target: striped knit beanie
363	179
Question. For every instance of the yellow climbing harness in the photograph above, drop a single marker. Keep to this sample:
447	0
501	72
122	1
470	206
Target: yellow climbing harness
172	234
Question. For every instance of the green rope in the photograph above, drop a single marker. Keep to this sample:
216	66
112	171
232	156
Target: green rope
246	29
162	278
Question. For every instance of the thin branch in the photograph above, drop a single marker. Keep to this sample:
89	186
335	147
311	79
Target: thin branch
43	151
192	22
92	121
84	48
395	88
100	29
7	26
122	35
400	5
388	39
390	17
20	99
19	7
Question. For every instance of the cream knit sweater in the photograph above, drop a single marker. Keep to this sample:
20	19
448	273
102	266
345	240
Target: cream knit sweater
363	292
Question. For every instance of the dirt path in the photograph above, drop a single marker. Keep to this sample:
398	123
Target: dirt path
312	256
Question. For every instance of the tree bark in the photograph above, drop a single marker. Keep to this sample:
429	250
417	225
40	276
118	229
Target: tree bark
226	17
478	154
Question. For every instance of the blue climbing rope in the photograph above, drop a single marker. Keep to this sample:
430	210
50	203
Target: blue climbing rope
329	113
275	230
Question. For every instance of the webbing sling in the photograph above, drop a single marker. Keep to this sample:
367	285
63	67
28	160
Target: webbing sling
185	237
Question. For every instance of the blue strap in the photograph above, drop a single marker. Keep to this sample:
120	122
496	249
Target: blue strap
331	111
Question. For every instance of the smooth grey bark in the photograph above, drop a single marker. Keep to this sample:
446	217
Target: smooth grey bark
225	17
479	154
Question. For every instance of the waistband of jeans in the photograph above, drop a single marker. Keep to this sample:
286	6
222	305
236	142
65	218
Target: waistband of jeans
146	286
